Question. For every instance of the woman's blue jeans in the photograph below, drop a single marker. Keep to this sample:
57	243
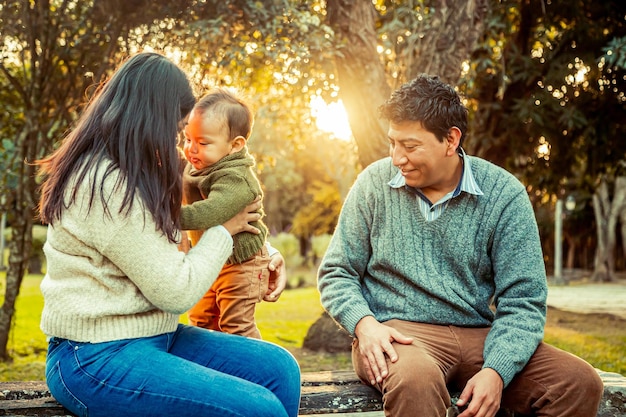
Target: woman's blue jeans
190	372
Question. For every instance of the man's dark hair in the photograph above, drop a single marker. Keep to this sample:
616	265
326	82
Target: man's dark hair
430	101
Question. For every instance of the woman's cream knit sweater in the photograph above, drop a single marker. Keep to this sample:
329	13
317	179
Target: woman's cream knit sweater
112	275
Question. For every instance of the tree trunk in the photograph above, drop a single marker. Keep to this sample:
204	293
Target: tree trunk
20	246
448	40
361	75
600	209
433	48
19	253
607	213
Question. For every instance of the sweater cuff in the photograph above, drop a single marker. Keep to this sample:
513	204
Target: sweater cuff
502	364
223	230
353	317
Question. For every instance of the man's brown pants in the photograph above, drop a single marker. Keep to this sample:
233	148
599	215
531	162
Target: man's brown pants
554	383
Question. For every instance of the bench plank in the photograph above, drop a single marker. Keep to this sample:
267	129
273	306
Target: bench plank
360	414
323	394
33	407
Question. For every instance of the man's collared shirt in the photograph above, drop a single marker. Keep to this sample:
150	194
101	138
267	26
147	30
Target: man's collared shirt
432	211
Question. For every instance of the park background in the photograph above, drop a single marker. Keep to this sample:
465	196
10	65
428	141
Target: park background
544	81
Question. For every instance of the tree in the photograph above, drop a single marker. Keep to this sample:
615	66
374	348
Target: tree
52	52
607	213
413	37
291	157
277	54
29	74
360	73
547	97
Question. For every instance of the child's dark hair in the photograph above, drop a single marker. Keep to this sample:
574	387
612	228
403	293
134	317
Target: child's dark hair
131	122
237	114
430	101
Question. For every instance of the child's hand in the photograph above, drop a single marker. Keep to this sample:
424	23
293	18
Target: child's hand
278	278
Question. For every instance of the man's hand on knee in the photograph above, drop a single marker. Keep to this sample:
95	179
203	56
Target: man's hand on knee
375	342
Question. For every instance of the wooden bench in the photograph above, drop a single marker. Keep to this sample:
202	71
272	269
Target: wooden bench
322	393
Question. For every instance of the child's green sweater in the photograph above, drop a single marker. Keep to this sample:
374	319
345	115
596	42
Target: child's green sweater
215	194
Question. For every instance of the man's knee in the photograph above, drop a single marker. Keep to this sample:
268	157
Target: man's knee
416	375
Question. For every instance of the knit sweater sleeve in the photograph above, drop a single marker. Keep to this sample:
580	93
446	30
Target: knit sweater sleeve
344	263
169	279
226	193
520	288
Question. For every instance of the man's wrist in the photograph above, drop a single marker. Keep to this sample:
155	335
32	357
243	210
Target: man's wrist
364	322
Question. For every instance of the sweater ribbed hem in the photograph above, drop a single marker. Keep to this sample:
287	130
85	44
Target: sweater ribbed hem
245	249
108	328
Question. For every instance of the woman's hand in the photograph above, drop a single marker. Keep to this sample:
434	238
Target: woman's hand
241	221
278	278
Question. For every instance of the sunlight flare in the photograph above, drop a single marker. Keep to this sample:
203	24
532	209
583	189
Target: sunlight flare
331	118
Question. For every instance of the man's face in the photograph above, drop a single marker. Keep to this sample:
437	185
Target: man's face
419	155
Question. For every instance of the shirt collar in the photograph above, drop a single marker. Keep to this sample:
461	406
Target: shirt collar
467	183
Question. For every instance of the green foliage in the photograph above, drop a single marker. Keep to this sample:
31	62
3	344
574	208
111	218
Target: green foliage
289	247
402	27
615	53
295	162
320	243
548	98
320	215
9	156
279	54
271	46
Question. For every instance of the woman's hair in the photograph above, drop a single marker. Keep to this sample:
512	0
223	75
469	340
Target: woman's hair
132	122
225	104
430	101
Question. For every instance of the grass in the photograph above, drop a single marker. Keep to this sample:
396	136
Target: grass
598	338
27	344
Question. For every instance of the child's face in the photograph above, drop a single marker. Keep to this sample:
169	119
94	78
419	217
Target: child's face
206	140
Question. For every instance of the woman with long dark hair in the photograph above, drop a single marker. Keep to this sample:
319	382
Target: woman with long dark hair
116	282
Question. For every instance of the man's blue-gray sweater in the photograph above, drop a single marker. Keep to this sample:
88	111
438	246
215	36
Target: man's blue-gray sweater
387	261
